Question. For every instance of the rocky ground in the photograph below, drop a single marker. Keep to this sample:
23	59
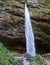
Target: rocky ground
12	33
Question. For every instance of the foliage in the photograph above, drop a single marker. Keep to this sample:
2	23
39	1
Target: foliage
18	61
6	58
37	60
44	2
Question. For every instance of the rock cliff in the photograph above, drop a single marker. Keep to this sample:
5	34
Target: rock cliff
12	32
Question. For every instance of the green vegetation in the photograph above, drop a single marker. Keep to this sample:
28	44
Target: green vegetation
37	60
18	61
25	1
40	11
45	3
6	58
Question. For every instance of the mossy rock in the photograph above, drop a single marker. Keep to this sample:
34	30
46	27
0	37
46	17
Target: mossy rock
37	60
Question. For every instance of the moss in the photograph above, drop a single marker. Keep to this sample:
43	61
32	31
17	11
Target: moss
37	60
6	58
44	2
40	11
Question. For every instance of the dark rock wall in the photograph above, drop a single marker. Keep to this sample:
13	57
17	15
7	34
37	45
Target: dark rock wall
12	32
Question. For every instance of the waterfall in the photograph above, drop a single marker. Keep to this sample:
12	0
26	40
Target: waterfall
30	44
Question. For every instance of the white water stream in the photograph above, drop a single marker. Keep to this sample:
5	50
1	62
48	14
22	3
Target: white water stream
30	44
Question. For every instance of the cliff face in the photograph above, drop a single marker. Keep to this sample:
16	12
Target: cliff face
12	32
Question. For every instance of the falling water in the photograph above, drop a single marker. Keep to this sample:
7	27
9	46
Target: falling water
30	44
